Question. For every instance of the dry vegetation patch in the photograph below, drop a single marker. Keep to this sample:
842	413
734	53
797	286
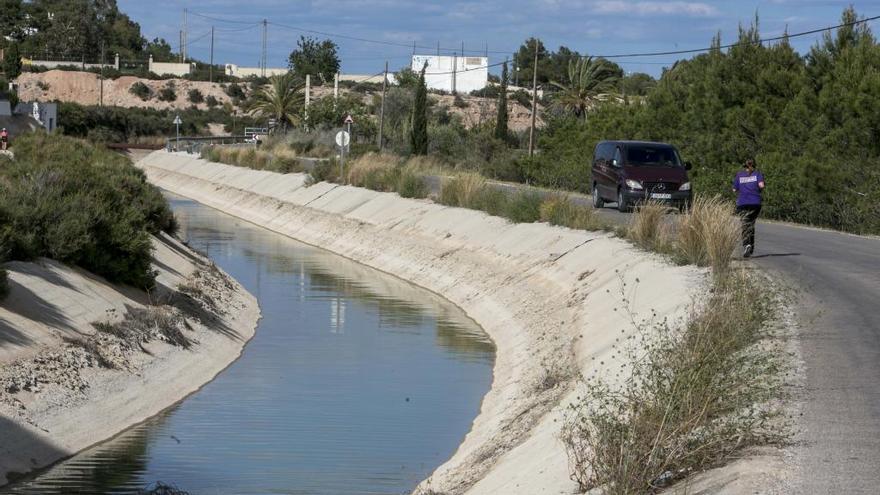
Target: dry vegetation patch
696	396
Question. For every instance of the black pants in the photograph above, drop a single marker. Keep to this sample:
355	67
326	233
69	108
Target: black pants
749	215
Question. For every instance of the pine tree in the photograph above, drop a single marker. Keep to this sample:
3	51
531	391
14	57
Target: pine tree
419	132
12	61
501	121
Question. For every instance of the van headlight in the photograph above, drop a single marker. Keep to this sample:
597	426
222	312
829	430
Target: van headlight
633	184
685	187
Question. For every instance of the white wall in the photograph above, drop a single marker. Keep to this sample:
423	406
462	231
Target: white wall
161	68
236	71
447	73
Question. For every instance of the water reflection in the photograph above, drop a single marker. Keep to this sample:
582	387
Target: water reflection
356	382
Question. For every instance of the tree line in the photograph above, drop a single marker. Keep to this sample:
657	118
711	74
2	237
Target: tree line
72	29
810	121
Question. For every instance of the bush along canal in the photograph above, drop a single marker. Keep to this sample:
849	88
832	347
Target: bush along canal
356	382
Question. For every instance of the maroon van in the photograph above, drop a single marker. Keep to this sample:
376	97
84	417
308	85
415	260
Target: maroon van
629	172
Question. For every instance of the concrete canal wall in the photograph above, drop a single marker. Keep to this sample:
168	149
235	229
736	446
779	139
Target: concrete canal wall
558	303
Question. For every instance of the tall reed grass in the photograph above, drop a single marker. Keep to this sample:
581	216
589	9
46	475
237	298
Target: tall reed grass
648	228
709	233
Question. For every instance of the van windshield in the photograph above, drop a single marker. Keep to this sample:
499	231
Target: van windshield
637	156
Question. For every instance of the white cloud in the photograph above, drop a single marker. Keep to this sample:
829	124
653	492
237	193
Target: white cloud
655	8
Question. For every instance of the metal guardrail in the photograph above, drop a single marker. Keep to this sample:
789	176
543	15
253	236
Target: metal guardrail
194	144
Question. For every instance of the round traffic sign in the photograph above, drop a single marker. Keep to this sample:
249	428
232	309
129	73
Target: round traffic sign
342	139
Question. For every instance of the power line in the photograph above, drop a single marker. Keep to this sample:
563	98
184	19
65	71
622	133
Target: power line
741	43
611	56
218	19
238	30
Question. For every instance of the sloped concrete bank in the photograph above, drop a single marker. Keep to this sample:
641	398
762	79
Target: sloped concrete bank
65	386
556	302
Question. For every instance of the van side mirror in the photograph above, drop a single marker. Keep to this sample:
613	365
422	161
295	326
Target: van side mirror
688	166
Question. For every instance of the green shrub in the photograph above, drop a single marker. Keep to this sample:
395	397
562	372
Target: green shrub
524	207
140	90
234	91
195	96
411	185
211	101
4	284
560	210
168	93
324	171
71	201
493	201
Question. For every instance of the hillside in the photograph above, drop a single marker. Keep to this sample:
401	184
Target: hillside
84	88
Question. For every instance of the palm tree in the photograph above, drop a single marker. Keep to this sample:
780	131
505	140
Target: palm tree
282	100
588	79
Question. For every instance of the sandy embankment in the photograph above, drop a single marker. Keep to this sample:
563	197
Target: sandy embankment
552	299
74	403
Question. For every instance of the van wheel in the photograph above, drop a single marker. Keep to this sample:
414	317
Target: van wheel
598	202
621	202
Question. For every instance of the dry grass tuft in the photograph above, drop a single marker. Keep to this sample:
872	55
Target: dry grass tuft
709	233
373	171
648	228
463	190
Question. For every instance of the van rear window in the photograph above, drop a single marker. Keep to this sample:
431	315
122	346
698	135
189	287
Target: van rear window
652	155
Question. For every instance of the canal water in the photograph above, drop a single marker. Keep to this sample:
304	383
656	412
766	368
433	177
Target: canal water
355	383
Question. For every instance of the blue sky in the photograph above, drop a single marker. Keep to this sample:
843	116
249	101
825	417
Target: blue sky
588	26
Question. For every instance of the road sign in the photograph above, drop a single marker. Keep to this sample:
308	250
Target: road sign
177	123
349	120
342	139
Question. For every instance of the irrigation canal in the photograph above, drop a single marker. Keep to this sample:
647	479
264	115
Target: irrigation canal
356	382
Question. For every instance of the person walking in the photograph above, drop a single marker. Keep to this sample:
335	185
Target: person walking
748	184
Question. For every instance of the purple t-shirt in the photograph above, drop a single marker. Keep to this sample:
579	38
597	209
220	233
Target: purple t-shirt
746	187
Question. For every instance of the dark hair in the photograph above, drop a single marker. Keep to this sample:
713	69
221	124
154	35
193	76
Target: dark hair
749	163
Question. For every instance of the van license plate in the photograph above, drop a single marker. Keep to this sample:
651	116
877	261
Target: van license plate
661	196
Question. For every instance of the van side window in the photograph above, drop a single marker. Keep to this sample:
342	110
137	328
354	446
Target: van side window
607	150
617	157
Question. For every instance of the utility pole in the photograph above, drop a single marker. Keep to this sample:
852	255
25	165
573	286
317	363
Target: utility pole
534	101
308	98
454	67
211	67
264	57
101	100
382	108
438	48
184	37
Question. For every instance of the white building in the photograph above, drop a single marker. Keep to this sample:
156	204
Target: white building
452	73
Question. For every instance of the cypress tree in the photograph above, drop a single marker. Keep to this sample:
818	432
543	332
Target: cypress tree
419	132
12	62
501	121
